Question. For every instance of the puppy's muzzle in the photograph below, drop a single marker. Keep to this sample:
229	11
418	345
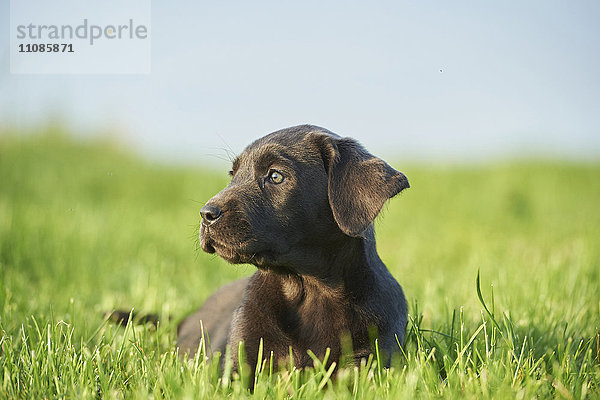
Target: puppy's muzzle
210	214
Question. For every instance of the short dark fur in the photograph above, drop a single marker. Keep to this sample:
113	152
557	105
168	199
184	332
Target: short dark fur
311	236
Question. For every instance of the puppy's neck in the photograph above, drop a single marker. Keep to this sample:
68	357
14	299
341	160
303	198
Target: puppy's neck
343	269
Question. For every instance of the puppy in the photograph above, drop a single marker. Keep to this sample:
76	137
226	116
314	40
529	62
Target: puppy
300	207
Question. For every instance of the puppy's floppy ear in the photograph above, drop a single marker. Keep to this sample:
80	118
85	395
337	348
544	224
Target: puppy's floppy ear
358	183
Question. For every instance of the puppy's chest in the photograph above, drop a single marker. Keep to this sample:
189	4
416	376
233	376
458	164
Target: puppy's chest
319	323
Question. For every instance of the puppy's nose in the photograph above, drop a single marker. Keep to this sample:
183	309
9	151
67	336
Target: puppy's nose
210	213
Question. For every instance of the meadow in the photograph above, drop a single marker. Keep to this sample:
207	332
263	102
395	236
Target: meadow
500	263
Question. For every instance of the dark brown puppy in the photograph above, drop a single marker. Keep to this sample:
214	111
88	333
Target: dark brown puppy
300	207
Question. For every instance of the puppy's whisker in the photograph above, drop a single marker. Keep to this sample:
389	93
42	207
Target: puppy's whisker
229	151
219	157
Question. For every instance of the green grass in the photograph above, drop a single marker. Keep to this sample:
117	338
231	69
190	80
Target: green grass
87	227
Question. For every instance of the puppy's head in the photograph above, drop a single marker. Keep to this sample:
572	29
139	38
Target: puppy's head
294	191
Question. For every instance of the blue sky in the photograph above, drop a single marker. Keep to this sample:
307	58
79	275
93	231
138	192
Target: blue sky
424	80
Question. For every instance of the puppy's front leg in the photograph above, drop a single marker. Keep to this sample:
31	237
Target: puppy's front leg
249	328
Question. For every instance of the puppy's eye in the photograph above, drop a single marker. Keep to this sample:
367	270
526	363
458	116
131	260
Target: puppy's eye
275	177
230	173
